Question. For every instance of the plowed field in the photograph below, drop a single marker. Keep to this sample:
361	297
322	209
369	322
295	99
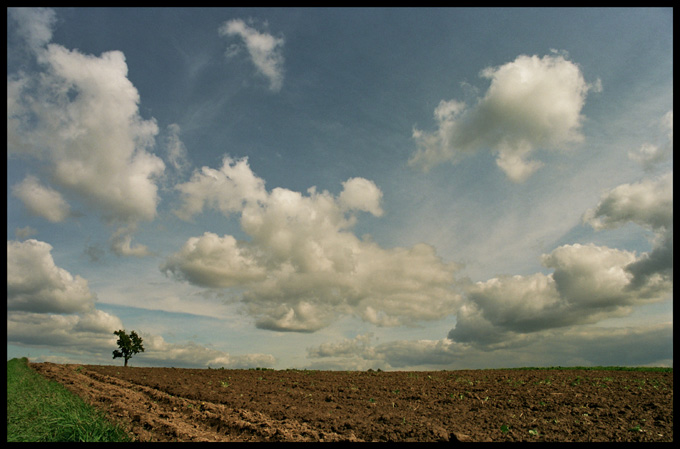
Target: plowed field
168	404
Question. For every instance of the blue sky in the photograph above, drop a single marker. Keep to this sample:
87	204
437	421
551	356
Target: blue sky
400	189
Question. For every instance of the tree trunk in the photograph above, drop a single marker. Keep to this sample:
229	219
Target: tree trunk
126	361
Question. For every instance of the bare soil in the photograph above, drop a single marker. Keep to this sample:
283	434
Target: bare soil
171	404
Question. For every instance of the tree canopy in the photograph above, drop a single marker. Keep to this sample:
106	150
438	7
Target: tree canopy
128	345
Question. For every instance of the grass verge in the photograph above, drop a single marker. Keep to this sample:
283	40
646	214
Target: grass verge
40	410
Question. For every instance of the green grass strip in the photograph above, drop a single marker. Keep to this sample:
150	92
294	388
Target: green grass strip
40	410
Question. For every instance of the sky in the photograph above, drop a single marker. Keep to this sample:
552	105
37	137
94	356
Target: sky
341	189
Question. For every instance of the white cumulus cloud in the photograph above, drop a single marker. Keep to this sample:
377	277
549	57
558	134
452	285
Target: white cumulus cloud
78	115
35	24
226	189
36	284
42	201
121	243
648	203
361	194
85	333
49	307
589	282
303	266
533	103
215	261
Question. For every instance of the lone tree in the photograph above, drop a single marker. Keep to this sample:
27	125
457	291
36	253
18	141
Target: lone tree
129	345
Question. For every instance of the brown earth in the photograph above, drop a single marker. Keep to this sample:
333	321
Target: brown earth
169	404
